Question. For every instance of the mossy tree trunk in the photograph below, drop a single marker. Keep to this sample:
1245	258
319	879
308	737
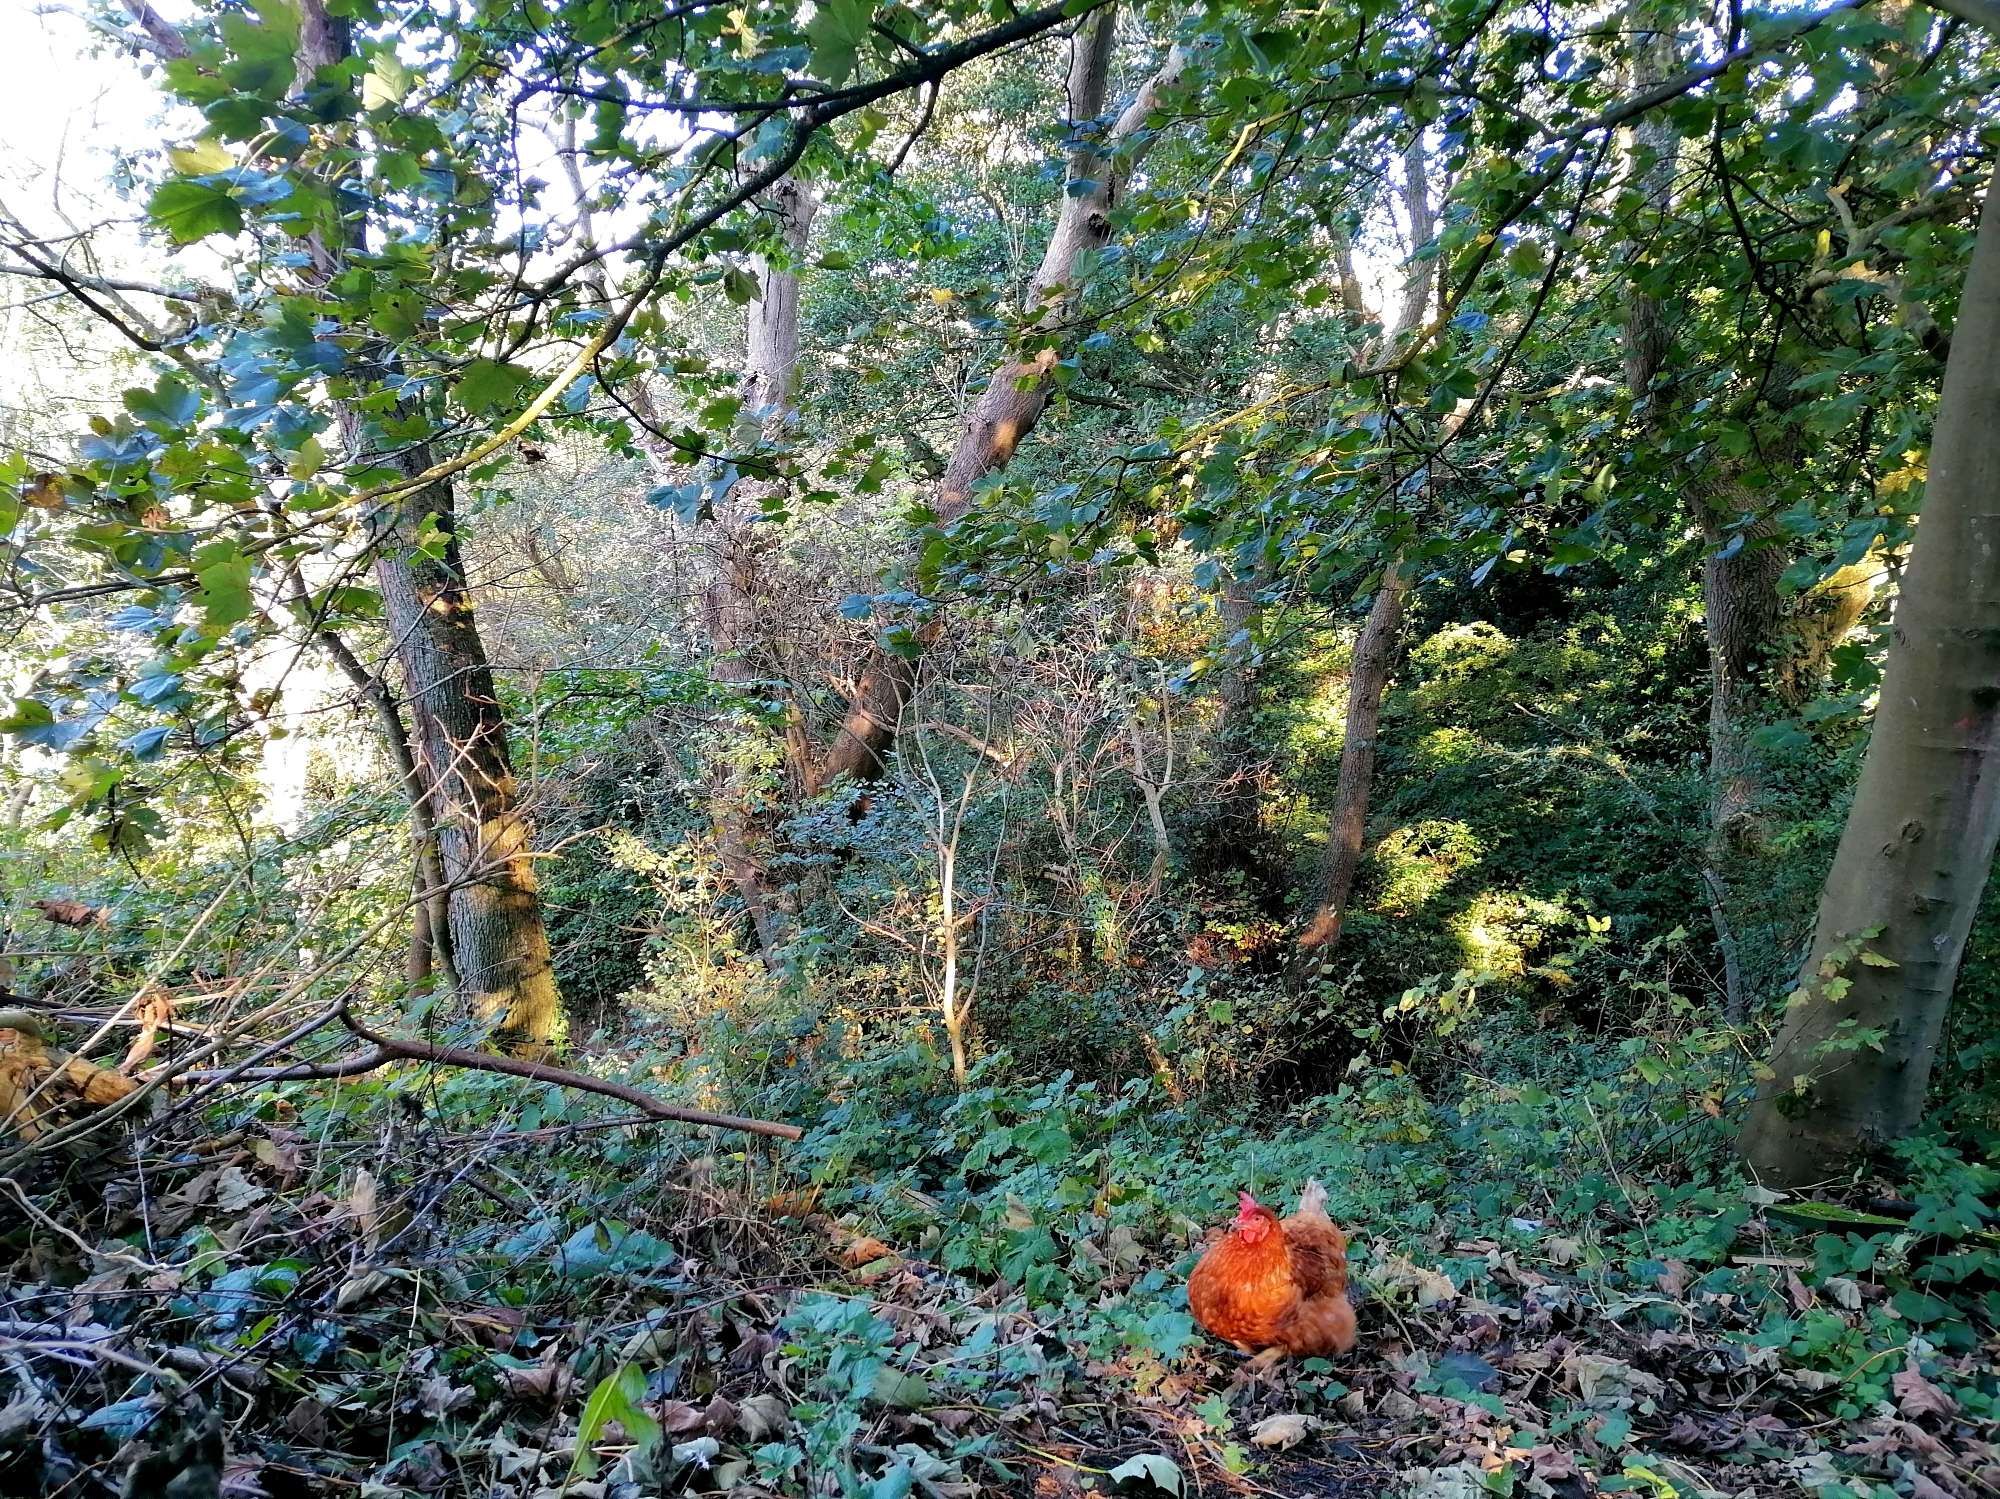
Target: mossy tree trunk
484	839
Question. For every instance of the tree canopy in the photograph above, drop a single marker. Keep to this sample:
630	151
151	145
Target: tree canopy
999	624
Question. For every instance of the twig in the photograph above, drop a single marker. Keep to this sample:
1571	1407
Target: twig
391	1048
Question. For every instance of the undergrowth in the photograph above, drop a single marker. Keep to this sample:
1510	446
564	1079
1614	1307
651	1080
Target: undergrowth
445	1283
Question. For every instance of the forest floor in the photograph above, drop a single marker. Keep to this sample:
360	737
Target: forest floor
358	1302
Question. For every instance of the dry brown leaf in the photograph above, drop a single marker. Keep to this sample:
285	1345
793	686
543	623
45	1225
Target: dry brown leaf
1917	1396
677	1418
72	913
549	1383
489	1326
763	1416
363	1205
1430	1286
44	492
1797	1293
864	1250
1609	1382
1283	1431
155	1011
278	1153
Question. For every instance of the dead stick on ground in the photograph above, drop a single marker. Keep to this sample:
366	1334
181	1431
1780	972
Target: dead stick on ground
391	1048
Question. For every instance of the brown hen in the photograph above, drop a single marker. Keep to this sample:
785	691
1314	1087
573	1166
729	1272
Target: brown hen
1277	1286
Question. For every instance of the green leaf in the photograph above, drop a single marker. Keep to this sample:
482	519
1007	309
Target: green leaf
835	33
396	314
1915	1306
618	1397
189	209
201	158
739	286
224	594
894	1387
1525	258
387	83
172	403
1153	1469
487	383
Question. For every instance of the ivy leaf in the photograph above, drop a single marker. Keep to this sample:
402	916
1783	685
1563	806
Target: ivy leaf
191	208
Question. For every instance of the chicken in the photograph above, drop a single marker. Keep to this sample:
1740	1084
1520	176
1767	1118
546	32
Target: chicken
1277	1287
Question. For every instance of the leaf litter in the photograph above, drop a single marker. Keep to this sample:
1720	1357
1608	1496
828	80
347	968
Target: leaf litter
368	1340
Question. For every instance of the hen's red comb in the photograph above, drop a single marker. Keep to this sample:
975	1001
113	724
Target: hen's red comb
1245	1205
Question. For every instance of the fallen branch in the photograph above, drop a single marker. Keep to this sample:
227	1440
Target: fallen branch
391	1049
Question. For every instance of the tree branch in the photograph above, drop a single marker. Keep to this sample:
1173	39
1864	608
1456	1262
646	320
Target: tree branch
391	1049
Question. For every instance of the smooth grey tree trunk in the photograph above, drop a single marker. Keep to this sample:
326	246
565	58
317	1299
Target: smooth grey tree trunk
1374	652
1854	1052
1376	646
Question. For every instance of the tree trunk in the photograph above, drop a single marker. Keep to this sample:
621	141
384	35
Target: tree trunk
1855	1049
1374	649
1739	590
460	753
1744	616
729	604
484	838
1018	389
430	920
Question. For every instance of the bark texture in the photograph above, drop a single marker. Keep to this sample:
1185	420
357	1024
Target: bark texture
1739	574
1920	837
1374	652
430	918
1018	389
484	838
730	601
459	745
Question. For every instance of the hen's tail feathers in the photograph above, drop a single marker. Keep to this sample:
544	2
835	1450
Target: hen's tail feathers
1313	1199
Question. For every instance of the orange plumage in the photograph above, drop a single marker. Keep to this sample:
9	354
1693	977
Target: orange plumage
1268	1284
